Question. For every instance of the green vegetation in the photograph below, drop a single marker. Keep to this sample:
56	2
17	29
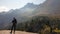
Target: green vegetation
40	24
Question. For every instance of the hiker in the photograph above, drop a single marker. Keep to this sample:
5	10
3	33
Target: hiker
14	22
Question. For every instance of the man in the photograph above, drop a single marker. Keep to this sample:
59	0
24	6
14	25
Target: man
14	22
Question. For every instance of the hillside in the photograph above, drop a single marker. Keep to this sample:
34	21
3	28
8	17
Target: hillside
21	14
49	7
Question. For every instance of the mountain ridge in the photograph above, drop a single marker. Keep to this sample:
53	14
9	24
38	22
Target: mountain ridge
48	8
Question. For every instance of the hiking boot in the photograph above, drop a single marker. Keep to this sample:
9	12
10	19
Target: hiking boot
10	32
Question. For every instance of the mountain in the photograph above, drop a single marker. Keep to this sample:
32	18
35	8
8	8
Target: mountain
28	9
49	7
21	14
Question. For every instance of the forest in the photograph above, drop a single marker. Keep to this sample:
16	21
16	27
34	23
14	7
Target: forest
40	24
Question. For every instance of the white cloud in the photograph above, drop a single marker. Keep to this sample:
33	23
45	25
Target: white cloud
3	8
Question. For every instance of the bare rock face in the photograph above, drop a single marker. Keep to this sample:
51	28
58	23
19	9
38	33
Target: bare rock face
49	7
53	6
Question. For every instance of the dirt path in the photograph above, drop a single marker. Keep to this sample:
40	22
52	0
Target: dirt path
17	32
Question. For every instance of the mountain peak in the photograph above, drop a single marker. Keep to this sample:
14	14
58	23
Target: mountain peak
30	5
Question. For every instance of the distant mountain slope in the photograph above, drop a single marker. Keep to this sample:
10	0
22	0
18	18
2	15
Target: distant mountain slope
21	15
49	7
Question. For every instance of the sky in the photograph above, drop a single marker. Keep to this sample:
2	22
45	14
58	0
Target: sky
6	5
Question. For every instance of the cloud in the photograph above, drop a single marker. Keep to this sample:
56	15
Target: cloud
3	8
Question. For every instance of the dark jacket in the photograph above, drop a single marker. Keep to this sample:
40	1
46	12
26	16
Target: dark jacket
14	21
